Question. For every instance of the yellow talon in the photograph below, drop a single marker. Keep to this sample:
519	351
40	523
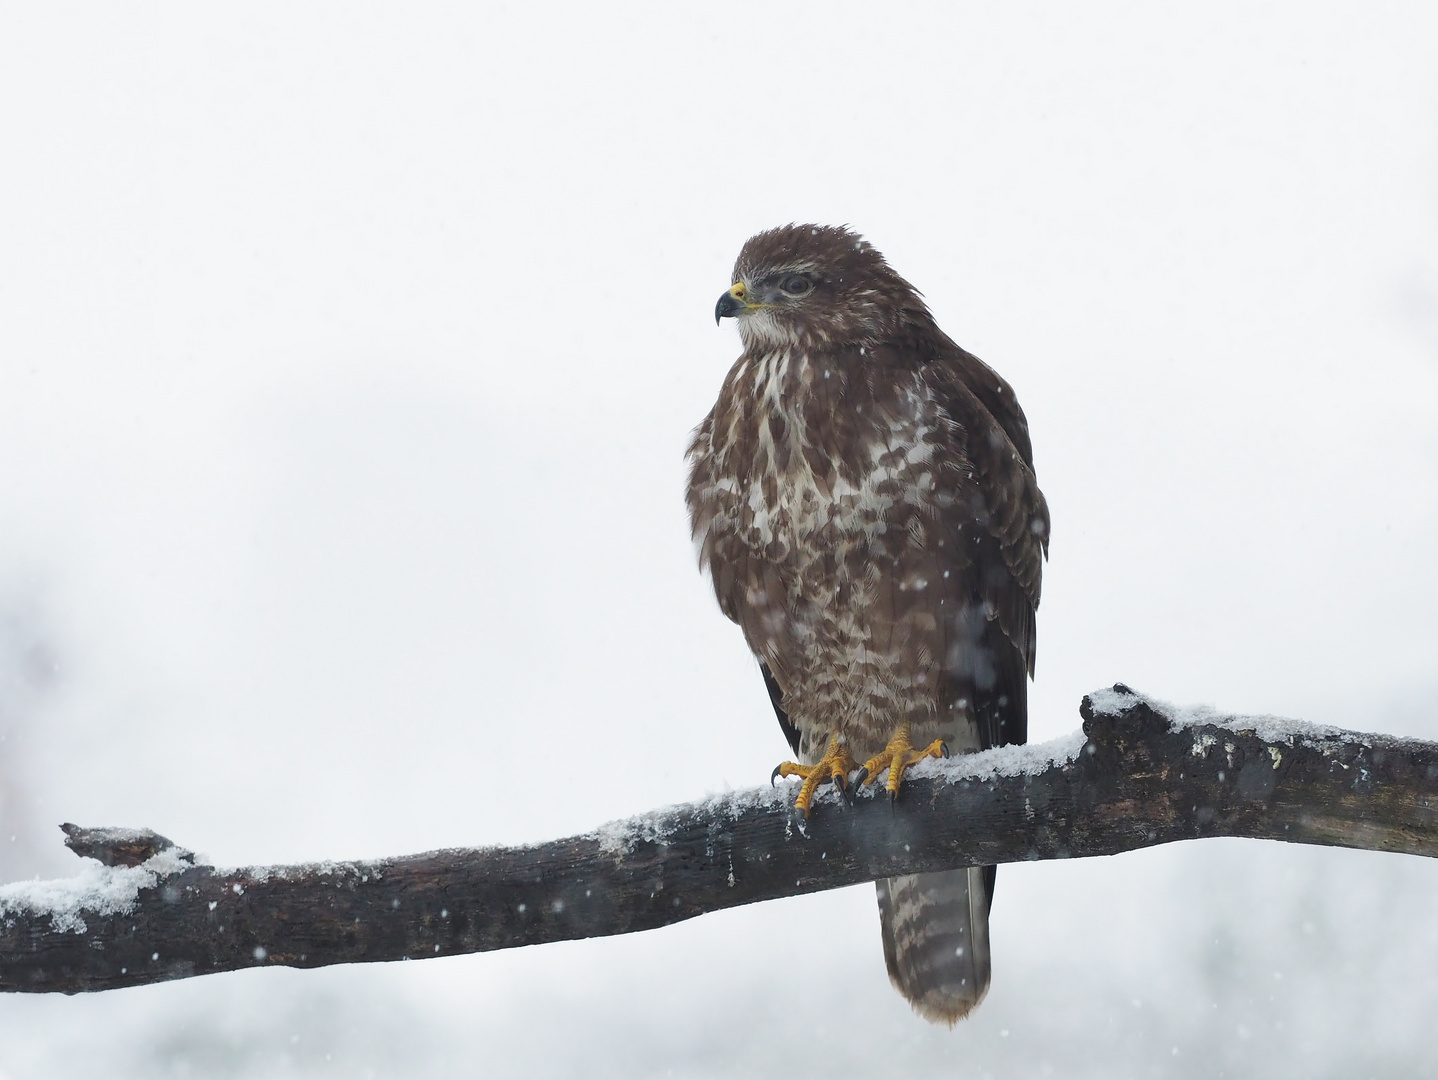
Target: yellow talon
896	757
835	765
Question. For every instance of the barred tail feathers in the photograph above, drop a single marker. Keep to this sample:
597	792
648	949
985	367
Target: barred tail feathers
936	939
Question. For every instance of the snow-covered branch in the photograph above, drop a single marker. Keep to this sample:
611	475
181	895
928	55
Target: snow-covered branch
1141	773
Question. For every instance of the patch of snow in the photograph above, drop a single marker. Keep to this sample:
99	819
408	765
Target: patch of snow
735	804
1272	729
1111	701
1028	759
620	837
328	868
97	890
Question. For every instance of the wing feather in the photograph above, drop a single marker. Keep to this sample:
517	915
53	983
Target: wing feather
1001	521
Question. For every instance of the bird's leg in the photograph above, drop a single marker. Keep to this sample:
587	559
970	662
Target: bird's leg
896	757
835	765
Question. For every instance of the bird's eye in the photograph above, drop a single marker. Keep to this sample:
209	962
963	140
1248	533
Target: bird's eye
796	284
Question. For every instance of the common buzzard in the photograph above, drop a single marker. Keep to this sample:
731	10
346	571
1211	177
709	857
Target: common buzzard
863	497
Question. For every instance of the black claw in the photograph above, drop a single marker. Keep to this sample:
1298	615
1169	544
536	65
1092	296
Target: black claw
773	776
862	777
944	749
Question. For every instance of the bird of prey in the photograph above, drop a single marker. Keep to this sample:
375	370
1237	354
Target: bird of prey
863	497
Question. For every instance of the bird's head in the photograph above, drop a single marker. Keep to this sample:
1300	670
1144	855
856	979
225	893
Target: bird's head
816	283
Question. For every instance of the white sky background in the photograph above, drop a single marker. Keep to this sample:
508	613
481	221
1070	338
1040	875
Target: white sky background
347	360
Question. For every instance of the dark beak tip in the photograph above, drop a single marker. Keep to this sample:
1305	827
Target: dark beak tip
726	308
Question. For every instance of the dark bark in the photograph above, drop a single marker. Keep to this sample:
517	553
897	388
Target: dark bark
1139	780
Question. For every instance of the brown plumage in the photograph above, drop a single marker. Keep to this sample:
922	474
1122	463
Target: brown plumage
863	497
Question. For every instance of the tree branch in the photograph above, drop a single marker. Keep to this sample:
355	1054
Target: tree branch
1144	774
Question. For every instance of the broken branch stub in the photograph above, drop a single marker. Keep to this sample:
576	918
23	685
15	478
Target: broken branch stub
119	847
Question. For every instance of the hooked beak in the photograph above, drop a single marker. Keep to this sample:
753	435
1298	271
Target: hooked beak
731	303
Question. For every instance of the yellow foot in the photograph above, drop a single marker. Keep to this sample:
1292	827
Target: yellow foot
835	765
896	757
